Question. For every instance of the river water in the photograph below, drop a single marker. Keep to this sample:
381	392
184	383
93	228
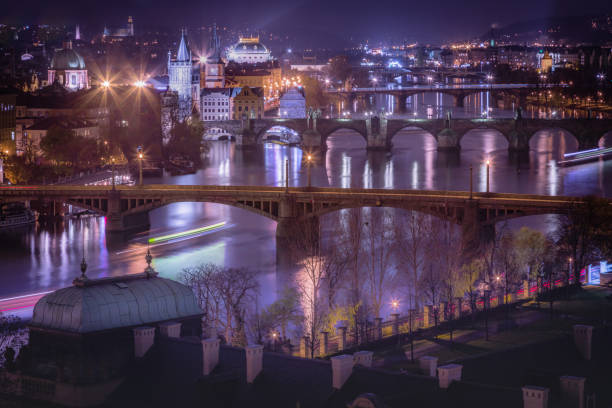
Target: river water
43	258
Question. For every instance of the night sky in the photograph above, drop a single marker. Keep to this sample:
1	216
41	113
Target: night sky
425	21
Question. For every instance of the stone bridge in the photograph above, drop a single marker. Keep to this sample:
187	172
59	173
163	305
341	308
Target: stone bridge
128	208
378	133
518	91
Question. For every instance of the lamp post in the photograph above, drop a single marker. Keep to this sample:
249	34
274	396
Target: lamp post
113	171
286	175
308	164
471	184
140	156
488	170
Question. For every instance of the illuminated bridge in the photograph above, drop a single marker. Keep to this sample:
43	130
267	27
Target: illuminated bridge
458	92
128	207
378	133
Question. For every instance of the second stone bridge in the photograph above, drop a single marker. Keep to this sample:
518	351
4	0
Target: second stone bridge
378	132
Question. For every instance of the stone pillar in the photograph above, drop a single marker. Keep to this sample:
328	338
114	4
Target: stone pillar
395	326
582	338
449	373
311	139
304	351
458	99
427	364
376	129
341	338
144	338
210	355
170	329
526	294
342	368
535	397
427	315
448	141
470	230
254	361
324	344
378	328
363	358
572	391
458	306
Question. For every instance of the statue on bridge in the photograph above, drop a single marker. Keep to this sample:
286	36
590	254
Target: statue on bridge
519	113
447	122
313	114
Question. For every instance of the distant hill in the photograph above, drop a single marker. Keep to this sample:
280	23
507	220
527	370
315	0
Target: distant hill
571	30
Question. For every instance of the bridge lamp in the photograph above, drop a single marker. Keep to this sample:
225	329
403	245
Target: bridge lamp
139	84
395	304
106	84
488	164
308	165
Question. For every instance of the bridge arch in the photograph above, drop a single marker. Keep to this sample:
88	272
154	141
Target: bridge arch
547	139
261	132
218	133
489	138
605	140
330	133
280	132
412	128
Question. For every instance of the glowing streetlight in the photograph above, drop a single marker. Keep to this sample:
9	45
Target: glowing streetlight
106	84
395	304
140	157
139	84
488	164
308	164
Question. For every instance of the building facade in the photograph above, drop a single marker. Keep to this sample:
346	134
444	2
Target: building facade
248	103
68	69
292	104
217	103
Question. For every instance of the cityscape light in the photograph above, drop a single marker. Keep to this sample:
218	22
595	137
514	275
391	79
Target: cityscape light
106	84
139	84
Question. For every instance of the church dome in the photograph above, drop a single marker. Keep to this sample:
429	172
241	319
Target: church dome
112	303
67	59
250	50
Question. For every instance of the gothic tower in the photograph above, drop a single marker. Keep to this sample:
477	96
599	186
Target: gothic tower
215	68
179	73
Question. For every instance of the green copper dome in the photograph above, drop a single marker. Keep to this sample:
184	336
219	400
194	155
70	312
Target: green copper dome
67	59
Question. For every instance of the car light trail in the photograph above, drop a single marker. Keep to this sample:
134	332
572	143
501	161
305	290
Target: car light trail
183	234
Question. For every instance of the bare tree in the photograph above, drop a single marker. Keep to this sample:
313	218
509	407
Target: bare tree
379	269
13	335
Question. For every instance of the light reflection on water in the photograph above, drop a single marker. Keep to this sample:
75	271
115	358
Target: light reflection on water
46	258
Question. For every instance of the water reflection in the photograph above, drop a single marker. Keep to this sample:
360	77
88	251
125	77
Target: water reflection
48	257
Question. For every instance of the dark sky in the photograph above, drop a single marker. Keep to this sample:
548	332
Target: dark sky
425	20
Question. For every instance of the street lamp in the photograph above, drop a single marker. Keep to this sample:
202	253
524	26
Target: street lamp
375	80
471	183
140	157
106	84
308	164
113	171
488	163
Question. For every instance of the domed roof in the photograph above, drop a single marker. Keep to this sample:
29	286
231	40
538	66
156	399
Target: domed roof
110	303
250	45
67	59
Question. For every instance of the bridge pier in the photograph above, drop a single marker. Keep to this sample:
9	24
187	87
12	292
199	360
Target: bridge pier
448	140
376	129
518	141
311	139
473	232
119	220
458	99
246	139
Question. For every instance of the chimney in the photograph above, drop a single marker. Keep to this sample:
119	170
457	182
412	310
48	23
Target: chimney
254	361
582	338
170	329
449	373
572	391
143	340
342	368
427	364
363	358
535	397
210	355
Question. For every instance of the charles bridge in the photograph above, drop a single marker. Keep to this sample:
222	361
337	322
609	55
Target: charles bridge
378	132
127	208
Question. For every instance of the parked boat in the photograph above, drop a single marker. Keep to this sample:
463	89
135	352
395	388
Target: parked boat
14	215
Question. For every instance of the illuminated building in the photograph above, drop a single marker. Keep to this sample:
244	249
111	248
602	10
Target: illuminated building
249	50
68	69
127	31
266	75
546	62
217	103
214	76
180	78
248	103
77	126
293	104
8	101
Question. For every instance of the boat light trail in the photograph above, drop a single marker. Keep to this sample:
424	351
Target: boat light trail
187	233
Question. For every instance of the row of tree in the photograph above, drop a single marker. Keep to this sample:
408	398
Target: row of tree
380	260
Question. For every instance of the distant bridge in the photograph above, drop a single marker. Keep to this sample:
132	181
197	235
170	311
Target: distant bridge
378	133
128	207
458	92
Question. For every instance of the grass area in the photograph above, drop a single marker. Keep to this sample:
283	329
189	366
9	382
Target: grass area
590	305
